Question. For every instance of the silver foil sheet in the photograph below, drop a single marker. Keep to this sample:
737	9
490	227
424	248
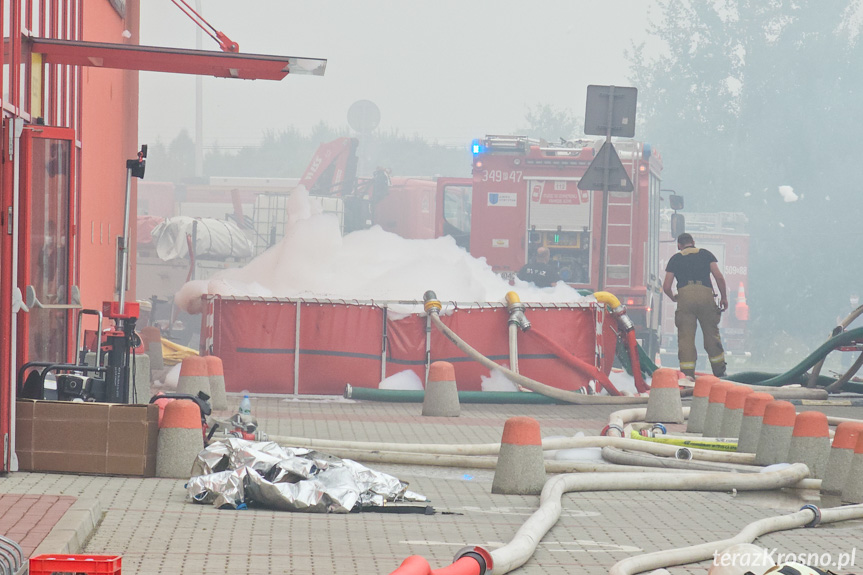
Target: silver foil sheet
238	472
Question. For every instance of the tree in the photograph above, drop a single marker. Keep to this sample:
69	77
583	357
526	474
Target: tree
174	162
287	153
749	96
551	124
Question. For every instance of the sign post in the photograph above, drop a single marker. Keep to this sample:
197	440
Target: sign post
610	112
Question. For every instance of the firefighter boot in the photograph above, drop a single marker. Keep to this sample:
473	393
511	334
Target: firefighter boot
686	353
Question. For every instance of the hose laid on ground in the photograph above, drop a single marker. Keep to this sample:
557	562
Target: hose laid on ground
417	396
712	443
417	565
517	552
550	443
621	457
809	516
790	392
481	462
519	397
797	373
813	377
432	308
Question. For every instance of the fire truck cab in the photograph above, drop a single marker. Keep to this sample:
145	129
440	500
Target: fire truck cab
524	194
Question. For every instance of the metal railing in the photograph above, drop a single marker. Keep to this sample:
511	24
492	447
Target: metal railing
12	560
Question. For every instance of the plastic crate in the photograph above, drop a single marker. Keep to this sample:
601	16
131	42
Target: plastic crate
48	564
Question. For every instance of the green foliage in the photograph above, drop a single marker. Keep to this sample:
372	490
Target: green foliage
286	154
748	96
551	124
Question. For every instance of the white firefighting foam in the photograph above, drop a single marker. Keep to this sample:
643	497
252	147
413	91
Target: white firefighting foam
313	260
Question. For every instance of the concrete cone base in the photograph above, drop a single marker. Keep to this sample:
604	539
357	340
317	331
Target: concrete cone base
813	451
852	491
520	470
697	412
218	396
192	384
774	441
441	399
713	419
157	361
176	451
664	406
838	465
750	429
731	421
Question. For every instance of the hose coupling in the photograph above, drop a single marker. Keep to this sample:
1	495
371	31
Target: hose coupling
516	311
658	429
619	310
431	303
683	454
816	511
478	554
607	429
623	319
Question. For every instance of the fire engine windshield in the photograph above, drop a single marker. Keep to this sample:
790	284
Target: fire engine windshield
456	213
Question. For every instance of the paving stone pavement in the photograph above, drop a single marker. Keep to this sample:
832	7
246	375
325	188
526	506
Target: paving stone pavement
157	531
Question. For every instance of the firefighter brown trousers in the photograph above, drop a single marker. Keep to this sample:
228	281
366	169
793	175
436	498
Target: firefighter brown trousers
695	304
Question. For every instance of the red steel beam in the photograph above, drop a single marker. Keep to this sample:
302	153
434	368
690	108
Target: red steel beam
175	60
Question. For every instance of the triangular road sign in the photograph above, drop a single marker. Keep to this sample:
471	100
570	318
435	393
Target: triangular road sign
606	168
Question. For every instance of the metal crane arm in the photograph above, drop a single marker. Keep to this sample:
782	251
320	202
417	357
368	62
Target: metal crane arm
225	43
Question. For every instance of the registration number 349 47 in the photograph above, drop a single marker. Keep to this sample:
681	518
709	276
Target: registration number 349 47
501	176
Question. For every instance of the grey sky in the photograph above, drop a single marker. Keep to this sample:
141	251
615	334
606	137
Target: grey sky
445	70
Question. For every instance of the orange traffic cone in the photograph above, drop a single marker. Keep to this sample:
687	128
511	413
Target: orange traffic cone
741	310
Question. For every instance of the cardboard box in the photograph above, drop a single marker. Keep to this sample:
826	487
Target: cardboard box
98	438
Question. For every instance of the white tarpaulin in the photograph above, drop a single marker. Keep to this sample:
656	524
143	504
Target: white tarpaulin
214	239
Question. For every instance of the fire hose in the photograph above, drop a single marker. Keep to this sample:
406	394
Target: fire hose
618	310
523	544
808	516
813	377
797	374
432	307
517	320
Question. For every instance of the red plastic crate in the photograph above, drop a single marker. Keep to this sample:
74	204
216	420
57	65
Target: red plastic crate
48	564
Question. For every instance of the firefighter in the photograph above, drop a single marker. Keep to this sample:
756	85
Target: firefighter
692	267
539	270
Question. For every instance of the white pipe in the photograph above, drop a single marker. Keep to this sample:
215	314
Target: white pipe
494	448
516	553
684	555
518	379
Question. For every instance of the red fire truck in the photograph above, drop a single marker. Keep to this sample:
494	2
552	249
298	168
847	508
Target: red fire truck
725	235
524	194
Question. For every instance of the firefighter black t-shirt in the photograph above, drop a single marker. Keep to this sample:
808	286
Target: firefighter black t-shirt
542	275
691	266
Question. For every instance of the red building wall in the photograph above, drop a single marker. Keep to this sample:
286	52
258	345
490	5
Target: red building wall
109	133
